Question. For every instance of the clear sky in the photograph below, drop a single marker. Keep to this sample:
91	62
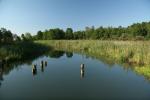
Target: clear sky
22	16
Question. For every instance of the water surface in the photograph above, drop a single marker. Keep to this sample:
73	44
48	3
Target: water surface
62	79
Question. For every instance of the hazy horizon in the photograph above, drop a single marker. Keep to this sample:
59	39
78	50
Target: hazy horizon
22	16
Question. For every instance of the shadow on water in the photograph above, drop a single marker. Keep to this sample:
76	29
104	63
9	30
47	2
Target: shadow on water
81	77
6	67
58	54
1	74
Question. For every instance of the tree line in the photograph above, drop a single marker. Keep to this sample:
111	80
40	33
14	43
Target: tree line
137	31
7	37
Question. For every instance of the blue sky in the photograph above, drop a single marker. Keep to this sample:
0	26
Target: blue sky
22	16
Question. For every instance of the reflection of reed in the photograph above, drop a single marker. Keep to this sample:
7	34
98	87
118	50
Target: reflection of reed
1	74
82	71
1	71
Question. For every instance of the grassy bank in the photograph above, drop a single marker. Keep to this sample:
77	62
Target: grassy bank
134	53
21	50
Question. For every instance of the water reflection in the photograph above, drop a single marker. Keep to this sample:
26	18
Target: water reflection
55	54
58	54
45	63
81	74
54	81
42	68
6	67
10	65
69	54
1	74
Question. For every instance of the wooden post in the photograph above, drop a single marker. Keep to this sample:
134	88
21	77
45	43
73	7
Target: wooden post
34	69
82	70
42	63
82	66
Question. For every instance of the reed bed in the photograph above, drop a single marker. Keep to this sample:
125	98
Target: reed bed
21	50
134	53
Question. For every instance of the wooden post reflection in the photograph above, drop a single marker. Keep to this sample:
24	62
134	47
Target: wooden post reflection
42	68
42	63
45	63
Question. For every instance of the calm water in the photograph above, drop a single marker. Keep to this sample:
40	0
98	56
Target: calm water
62	79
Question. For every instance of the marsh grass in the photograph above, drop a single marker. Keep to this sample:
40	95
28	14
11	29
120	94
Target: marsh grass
21	50
144	70
134	53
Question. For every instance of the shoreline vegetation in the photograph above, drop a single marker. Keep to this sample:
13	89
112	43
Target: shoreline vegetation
133	53
21	51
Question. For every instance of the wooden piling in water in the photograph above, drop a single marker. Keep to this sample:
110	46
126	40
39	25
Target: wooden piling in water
34	69
42	63
82	70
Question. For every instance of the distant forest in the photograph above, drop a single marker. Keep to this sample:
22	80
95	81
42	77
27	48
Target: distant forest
137	31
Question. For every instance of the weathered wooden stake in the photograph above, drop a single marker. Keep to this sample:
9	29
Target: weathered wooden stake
82	70
34	69
42	63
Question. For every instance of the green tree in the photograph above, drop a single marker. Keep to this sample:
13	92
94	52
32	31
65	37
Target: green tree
69	33
28	36
23	37
16	37
7	36
1	36
40	35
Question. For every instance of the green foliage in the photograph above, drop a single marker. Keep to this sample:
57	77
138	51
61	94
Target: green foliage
39	35
21	50
131	52
69	34
6	36
144	70
137	31
23	37
28	36
51	34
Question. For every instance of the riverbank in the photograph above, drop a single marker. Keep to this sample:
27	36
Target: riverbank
21	50
132	53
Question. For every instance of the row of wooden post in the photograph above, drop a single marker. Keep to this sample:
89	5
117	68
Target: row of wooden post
34	68
42	64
